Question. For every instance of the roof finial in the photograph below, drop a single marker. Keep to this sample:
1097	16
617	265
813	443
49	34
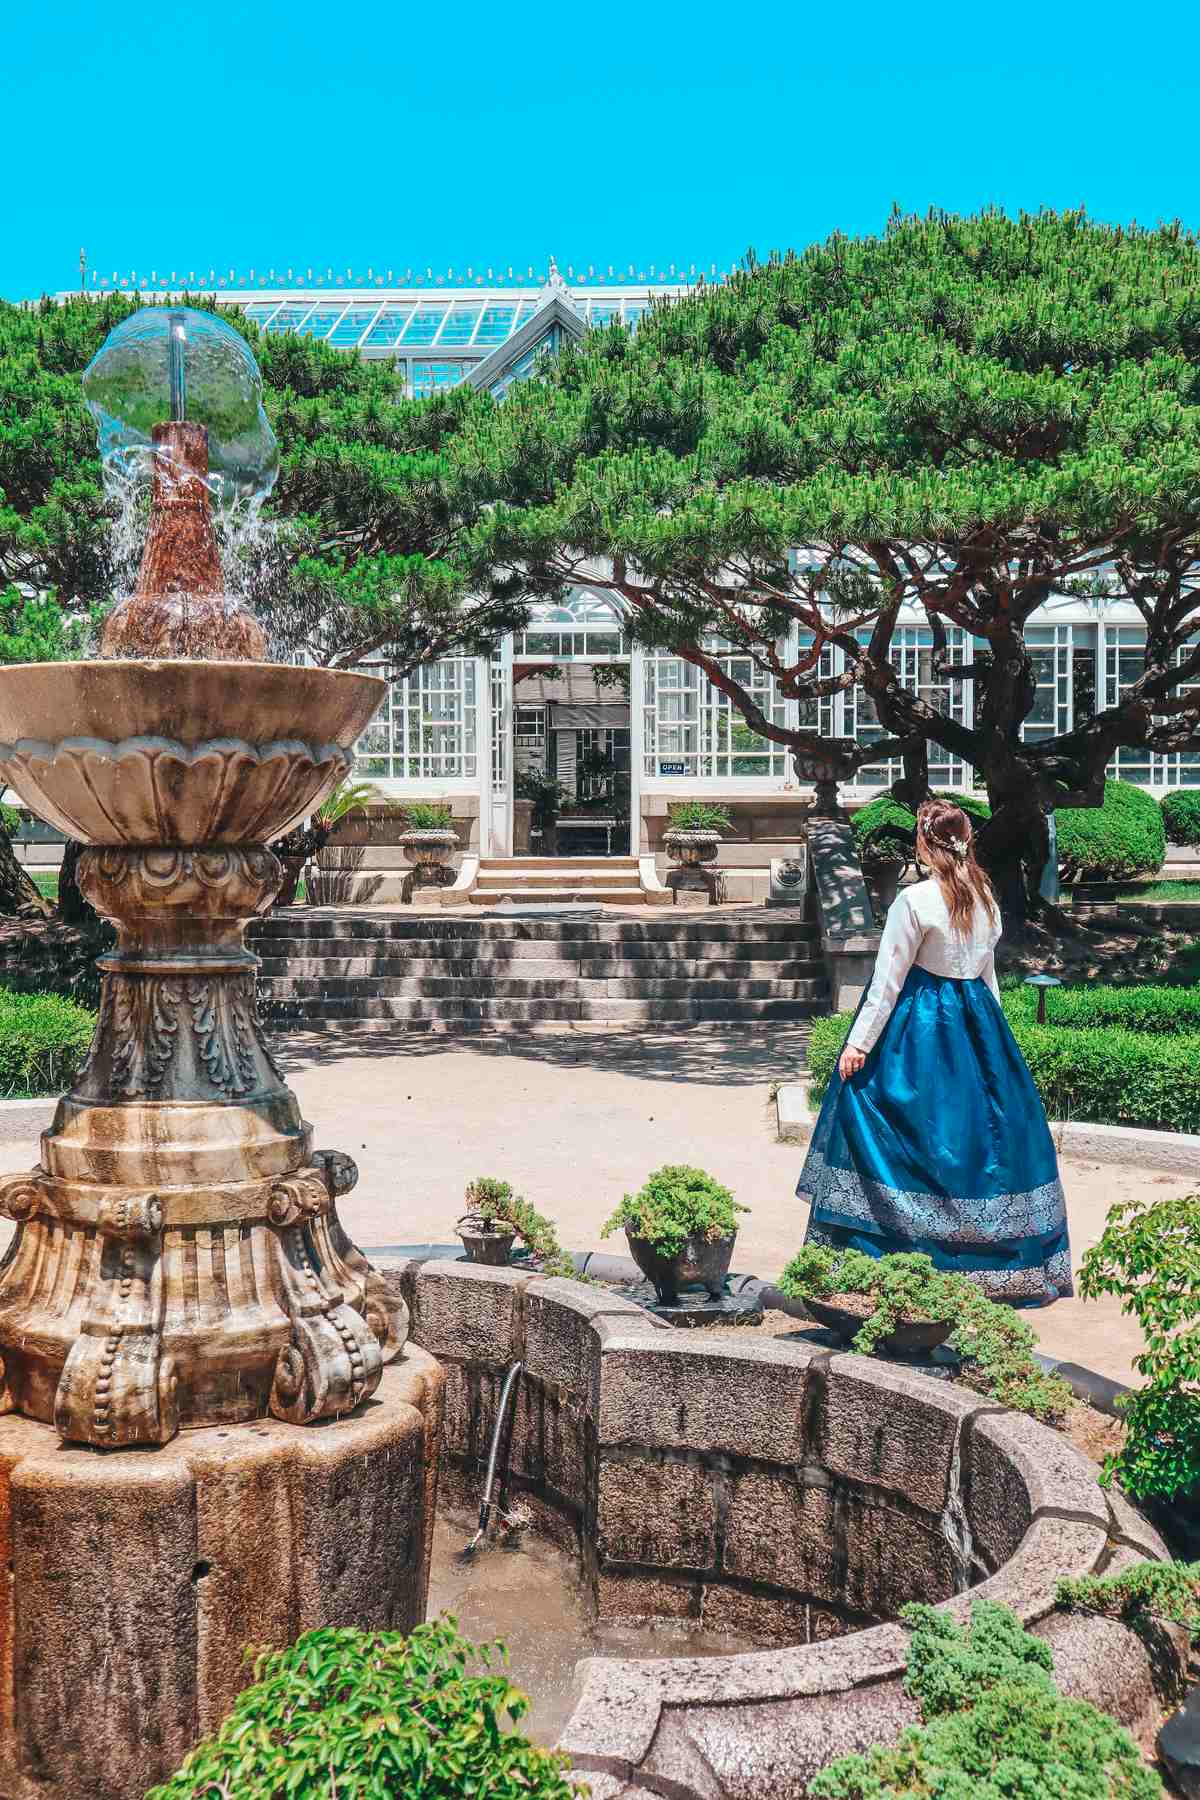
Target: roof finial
554	282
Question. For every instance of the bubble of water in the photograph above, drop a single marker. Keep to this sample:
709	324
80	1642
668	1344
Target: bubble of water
128	388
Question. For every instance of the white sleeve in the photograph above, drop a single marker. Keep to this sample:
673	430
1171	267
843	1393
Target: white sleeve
902	934
988	974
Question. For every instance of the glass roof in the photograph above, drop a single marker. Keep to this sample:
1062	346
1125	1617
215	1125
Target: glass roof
426	323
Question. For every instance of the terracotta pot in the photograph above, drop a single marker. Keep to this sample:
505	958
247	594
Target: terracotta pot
698	1260
848	1313
482	1244
692	847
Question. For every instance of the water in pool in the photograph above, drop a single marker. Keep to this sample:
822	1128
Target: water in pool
531	1594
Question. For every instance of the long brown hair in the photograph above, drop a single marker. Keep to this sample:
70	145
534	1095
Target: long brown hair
950	845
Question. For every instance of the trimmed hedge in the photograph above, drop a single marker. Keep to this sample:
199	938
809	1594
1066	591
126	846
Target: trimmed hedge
1113	842
1105	1075
1181	816
1165	1011
43	1041
1123	838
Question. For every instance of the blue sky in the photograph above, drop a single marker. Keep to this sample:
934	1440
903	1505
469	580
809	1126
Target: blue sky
314	133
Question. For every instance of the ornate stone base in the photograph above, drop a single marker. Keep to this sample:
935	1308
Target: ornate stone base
136	1578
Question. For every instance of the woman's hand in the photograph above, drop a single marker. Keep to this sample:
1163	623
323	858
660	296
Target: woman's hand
850	1062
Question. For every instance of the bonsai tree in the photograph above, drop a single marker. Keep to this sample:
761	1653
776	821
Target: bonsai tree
423	1717
1147	1256
493	1206
996	1345
677	1203
961	418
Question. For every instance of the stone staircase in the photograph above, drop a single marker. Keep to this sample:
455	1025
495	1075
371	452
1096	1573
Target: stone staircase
558	881
388	971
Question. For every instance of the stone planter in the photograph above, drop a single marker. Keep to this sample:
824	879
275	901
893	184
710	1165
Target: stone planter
486	1243
697	1261
429	852
692	851
847	1313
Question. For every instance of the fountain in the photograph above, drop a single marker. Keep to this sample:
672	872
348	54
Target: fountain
179	1277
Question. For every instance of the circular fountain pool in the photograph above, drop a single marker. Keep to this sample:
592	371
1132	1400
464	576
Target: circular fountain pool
759	1493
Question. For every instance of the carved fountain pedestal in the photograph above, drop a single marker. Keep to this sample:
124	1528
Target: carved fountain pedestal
214	1432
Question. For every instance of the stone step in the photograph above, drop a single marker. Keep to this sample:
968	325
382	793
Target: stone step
499	953
557	895
450	987
543	968
615	1011
754	923
518	865
539	881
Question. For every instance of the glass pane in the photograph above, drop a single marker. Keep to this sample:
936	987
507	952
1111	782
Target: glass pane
422	327
389	325
460	325
495	325
352	325
320	321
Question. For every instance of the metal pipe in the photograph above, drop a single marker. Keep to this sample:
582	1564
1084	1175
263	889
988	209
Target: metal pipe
176	369
485	1509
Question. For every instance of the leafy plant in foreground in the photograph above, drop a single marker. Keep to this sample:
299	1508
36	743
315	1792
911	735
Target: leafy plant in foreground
1147	1256
1164	1593
995	1725
43	1041
995	1344
378	1716
675	1204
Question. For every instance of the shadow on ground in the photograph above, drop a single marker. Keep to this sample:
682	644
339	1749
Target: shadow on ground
733	1056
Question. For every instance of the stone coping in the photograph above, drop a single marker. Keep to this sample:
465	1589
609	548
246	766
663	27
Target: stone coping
1173	1152
625	1428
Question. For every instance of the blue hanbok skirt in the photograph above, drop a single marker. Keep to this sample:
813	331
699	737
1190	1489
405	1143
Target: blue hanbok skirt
940	1144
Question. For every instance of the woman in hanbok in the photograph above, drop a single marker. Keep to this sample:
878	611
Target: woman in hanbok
932	1136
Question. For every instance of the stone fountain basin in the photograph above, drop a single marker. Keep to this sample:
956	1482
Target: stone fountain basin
777	1491
179	752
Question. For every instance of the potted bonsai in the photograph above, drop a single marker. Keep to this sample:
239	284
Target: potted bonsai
429	843
497	1217
694	830
681	1229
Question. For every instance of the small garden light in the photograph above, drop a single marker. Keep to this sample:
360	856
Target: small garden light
1042	983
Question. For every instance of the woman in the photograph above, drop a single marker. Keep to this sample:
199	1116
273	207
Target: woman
932	1136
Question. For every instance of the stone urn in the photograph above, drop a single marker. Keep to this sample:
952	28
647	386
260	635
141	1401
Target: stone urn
487	1241
692	848
698	1261
429	852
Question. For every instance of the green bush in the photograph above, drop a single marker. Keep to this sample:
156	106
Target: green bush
1107	1075
375	1715
489	1200
698	815
996	1346
995	1726
678	1203
1166	1011
886	831
43	1041
1114	842
1147	1256
1181	816
1146	1593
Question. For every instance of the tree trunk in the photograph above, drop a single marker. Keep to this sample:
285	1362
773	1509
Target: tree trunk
912	789
73	909
1013	847
19	897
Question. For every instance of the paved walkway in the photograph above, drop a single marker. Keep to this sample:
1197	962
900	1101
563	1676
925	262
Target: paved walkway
576	1119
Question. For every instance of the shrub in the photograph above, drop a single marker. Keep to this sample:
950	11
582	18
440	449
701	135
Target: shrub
698	815
490	1200
995	1344
428	815
1167	1011
1181	816
678	1203
885	830
1146	1593
1106	1074
1113	842
1147	1256
374	1714
994	1725
43	1041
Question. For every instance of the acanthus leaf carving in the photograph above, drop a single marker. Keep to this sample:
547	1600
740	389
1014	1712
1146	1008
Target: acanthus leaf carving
223	1021
145	1026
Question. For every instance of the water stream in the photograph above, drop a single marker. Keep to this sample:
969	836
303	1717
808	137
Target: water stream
956	1527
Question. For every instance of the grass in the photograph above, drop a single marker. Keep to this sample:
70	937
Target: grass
45	881
1159	890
